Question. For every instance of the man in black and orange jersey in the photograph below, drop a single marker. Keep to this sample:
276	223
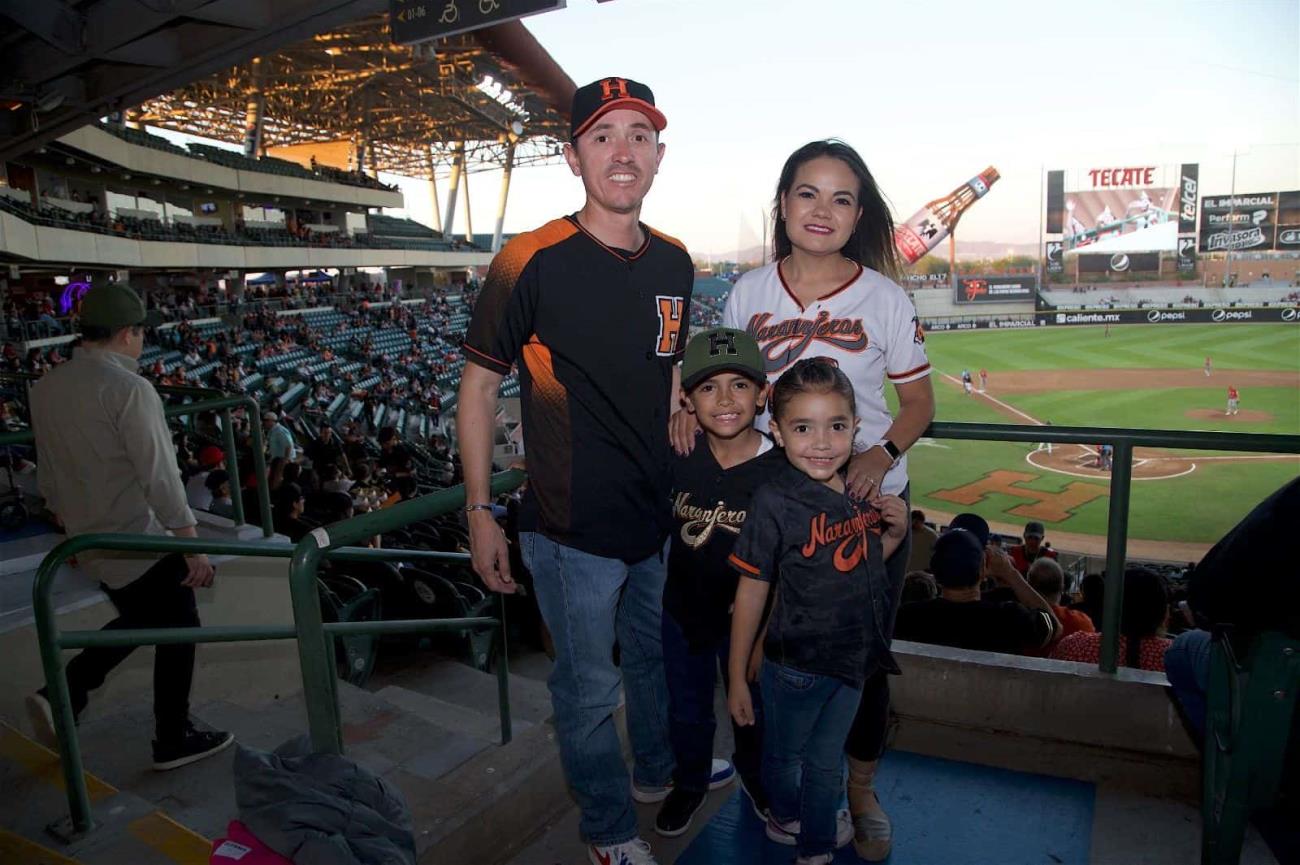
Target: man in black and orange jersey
593	309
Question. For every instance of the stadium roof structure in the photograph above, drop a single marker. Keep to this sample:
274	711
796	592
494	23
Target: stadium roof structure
412	106
327	69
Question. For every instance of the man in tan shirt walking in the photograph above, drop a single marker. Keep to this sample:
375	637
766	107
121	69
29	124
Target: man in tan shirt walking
106	464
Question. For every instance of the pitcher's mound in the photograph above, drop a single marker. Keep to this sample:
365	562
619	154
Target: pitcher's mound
1244	415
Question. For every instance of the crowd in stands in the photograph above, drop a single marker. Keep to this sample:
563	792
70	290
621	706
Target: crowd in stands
289	233
968	589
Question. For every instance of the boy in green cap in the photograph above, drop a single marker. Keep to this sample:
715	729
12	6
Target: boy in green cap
724	386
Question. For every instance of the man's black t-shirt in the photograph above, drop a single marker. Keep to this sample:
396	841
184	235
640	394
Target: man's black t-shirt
595	332
709	508
833	597
986	626
323	453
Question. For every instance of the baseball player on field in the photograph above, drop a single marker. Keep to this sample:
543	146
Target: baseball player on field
1208	366
1233	398
984	379
966	381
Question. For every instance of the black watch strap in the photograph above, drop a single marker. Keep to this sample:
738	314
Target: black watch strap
891	449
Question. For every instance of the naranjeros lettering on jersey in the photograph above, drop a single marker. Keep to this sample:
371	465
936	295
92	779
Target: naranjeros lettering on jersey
867	326
834	602
710	504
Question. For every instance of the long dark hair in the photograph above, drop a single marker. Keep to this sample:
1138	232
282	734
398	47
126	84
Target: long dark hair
872	242
1146	603
811	375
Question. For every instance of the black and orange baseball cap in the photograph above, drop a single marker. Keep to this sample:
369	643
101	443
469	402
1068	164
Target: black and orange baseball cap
607	94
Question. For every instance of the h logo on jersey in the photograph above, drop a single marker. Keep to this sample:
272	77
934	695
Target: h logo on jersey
718	341
670	324
613	88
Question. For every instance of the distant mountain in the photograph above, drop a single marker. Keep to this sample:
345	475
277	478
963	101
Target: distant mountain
965	249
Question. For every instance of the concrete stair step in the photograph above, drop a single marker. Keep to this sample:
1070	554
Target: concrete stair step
130	829
452	682
450	716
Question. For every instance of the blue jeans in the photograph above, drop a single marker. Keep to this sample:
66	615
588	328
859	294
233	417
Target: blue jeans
692	675
1187	666
588	603
807	719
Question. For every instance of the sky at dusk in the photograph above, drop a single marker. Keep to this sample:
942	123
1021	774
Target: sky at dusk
930	94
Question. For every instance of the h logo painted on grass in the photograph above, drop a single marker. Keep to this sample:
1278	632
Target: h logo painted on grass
1042	505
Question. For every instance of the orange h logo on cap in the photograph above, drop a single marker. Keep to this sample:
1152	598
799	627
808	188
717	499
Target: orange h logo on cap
611	88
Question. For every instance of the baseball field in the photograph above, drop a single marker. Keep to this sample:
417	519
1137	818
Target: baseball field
1142	376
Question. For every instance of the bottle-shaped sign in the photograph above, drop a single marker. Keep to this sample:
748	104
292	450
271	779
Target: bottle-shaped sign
931	224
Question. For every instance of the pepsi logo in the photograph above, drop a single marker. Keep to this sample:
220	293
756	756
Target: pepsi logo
1119	262
1218	315
1153	315
1289	314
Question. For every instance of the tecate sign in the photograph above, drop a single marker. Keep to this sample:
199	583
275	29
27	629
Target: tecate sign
1162	315
1291	237
1222	314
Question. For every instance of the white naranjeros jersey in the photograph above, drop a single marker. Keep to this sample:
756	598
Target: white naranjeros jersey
868	325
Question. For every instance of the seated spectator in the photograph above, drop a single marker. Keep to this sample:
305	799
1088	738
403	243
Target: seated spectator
1047	578
1025	554
196	488
325	449
288	510
1142	643
960	617
332	479
919	586
394	453
1093	590
923	538
218	486
279	441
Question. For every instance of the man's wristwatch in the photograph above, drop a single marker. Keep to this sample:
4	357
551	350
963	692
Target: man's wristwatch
477	507
891	449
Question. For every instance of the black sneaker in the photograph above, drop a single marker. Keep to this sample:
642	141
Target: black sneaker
192	746
676	813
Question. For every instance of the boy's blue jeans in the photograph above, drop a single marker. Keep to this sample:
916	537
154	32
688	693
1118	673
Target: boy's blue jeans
806	721
692	677
589	602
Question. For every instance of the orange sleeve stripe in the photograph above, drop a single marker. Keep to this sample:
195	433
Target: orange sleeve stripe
743	565
897	375
674	241
495	360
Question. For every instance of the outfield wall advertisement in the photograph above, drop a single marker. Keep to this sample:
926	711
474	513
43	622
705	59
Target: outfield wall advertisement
1217	315
995	289
1250	221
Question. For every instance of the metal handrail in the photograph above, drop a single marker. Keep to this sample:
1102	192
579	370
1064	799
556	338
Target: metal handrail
318	678
223	403
315	637
1121	482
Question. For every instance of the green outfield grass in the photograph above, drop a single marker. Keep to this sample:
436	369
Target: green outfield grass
1169	346
1199	507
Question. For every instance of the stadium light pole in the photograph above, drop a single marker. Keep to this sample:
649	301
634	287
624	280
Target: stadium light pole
1232	221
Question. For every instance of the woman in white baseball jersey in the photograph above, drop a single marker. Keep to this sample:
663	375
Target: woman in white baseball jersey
829	292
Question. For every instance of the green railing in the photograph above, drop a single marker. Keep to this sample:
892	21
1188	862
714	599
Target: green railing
207	402
1121	482
315	637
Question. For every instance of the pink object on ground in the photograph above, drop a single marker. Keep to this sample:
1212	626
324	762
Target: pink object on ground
242	846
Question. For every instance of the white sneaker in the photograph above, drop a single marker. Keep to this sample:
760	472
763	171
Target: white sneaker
788	833
634	852
721	774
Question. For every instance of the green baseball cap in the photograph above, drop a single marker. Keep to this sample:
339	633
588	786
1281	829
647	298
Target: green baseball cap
114	304
722	349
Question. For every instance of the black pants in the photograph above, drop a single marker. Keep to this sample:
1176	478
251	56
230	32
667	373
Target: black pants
866	740
154	600
692	674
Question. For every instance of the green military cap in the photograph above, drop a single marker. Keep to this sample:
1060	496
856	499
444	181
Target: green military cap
114	304
722	349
